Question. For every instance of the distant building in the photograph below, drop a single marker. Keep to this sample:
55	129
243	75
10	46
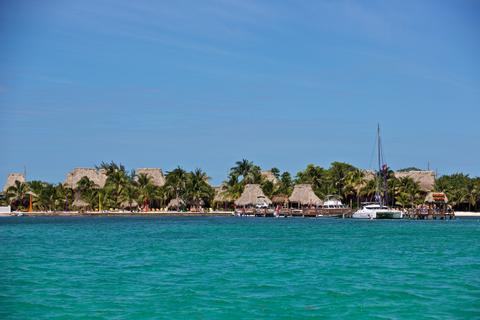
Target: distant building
99	177
155	174
12	177
425	179
269	176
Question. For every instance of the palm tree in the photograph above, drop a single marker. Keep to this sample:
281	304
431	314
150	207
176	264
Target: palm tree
175	183
197	188
354	180
129	194
46	197
402	199
411	189
17	194
63	197
368	190
117	180
146	189
318	178
473	195
285	186
248	171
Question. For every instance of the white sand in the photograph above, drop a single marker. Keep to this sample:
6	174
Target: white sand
466	214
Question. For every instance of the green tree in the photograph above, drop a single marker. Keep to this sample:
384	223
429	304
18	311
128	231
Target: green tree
409	189
175	184
146	189
117	180
276	172
17	195
198	190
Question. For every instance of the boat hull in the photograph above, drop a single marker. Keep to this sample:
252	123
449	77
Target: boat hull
386	214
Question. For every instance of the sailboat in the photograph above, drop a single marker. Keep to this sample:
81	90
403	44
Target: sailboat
379	209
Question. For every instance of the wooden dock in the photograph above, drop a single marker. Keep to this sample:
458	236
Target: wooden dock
300	213
429	214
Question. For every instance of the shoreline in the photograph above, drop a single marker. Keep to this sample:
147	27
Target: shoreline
120	214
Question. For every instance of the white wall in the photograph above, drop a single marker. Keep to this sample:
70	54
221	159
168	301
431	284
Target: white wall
6	209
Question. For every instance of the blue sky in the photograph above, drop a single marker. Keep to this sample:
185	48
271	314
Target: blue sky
207	83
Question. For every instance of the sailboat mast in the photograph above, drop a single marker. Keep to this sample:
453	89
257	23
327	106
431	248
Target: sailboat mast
379	178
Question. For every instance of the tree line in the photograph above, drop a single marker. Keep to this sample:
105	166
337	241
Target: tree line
191	190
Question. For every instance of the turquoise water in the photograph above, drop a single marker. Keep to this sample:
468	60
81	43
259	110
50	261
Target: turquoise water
230	268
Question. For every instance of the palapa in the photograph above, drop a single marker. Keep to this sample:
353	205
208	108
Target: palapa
425	179
269	176
129	204
304	195
80	203
156	174
12	177
176	203
99	177
251	196
280	199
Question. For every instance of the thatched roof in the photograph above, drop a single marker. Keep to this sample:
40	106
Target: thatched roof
368	175
79	203
279	199
425	179
221	194
269	176
436	197
12	177
99	177
303	194
155	174
126	204
175	203
251	195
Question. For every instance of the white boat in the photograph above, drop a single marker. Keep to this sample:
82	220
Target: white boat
377	211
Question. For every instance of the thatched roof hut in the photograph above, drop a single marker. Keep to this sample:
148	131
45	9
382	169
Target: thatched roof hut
425	179
158	179
251	195
127	205
12	177
175	203
436	197
269	176
99	177
303	194
80	203
280	199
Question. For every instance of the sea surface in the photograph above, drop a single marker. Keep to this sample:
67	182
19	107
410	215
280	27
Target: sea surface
238	268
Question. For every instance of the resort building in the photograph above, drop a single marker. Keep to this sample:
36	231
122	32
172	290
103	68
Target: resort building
269	176
425	179
158	179
252	196
303	196
99	177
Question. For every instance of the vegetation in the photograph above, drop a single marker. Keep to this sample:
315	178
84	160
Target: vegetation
192	191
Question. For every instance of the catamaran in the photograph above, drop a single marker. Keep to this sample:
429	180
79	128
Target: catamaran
379	209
